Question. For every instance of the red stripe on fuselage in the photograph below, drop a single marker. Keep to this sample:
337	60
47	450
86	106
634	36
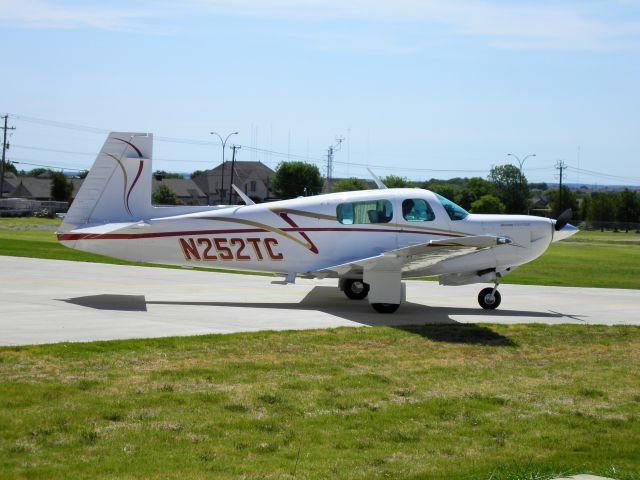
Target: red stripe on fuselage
135	236
286	218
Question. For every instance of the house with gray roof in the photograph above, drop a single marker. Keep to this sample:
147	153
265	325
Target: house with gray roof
32	188
185	189
253	178
39	188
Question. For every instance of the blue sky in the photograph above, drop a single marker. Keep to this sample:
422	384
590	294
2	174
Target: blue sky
417	88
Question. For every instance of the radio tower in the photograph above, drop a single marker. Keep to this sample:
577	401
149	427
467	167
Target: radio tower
332	149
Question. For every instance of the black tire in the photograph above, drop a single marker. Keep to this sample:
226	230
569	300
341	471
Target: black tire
385	307
484	299
355	289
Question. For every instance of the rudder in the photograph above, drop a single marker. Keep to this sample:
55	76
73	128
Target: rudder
118	186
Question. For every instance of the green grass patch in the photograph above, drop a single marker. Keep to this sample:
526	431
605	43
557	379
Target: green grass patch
582	265
598	237
449	401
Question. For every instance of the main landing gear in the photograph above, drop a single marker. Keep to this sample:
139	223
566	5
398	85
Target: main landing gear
355	289
489	298
385	307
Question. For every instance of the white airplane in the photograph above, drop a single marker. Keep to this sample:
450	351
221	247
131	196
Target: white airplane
369	240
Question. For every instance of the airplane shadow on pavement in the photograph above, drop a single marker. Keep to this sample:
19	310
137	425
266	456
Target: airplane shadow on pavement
434	323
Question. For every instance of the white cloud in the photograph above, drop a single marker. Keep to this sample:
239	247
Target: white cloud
501	24
43	14
558	25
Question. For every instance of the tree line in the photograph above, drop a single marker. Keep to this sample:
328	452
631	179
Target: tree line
505	190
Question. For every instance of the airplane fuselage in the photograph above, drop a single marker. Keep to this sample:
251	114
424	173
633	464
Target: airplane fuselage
305	235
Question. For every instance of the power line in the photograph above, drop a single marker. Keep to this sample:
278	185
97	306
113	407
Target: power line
55	123
319	161
43	149
270	152
600	174
21	161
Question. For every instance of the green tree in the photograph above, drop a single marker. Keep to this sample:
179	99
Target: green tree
445	189
511	186
583	211
394	181
602	208
628	208
539	186
36	172
61	188
83	173
569	200
295	179
196	173
10	168
163	174
473	190
349	185
488	204
163	195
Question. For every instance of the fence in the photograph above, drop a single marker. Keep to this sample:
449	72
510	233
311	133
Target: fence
610	226
22	207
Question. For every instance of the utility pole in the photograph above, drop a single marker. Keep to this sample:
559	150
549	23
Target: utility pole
4	149
561	166
332	149
233	167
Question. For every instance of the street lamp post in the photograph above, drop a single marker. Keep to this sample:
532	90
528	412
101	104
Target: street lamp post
224	143
521	163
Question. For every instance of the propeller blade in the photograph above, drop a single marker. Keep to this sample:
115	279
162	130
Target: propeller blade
563	219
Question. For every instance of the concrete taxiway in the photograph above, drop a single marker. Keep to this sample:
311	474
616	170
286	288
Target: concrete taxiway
47	301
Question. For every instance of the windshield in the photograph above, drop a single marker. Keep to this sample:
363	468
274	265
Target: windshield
454	211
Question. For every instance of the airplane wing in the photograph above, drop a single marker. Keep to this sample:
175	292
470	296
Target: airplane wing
419	257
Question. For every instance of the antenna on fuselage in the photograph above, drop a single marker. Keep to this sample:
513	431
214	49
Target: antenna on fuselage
245	198
376	179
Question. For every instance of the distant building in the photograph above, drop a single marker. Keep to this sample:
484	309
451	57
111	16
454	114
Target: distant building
186	190
253	178
32	188
39	188
538	205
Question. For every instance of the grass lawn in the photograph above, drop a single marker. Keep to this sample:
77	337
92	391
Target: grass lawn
583	264
588	259
450	401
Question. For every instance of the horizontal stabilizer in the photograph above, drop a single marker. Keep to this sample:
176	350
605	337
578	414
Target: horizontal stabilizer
96	231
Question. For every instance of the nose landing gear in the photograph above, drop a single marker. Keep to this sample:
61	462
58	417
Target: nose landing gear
489	298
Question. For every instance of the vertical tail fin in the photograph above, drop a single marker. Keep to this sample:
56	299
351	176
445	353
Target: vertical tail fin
118	186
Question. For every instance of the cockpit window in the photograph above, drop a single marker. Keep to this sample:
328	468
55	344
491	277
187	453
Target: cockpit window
372	211
454	211
417	210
